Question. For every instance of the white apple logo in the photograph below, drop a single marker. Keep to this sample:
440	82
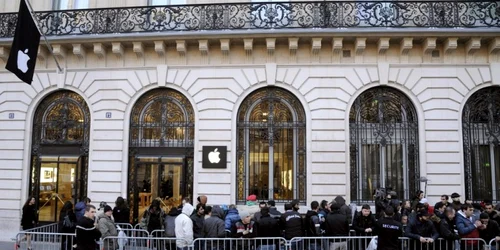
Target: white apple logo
213	156
22	60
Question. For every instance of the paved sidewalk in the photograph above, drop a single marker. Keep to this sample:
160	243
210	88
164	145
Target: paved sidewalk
7	245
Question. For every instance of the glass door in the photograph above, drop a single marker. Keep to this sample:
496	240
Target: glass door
57	185
157	178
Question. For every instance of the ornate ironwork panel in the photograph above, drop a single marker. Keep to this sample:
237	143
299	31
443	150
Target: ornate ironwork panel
271	15
162	118
271	147
383	127
61	119
481	137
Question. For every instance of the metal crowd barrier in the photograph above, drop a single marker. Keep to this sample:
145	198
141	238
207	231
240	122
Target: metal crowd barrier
44	241
124	225
239	243
136	243
50	228
330	243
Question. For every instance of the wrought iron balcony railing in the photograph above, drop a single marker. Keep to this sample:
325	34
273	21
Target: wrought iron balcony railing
248	16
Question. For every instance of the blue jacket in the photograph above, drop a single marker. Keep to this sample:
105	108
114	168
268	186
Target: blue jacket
231	218
464	225
80	210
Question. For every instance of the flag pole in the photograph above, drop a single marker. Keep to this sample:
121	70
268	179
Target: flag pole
35	20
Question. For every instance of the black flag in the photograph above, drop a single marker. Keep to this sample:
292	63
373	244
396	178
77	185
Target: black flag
24	50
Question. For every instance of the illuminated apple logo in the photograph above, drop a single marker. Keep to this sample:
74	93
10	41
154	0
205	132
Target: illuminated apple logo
213	156
22	60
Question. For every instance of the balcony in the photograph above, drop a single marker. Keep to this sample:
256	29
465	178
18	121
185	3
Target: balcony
251	17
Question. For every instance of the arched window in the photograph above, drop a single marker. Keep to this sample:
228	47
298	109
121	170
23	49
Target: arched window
383	128
481	136
59	152
161	150
271	147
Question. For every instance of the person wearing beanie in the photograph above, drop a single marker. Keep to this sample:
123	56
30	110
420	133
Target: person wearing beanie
107	227
455	202
245	228
422	231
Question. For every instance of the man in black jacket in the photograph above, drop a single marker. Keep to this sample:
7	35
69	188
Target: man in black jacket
267	227
336	225
422	231
312	224
489	230
86	231
363	224
388	231
291	222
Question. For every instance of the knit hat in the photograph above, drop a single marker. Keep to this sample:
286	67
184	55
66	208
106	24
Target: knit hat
107	208
244	214
423	200
252	197
455	195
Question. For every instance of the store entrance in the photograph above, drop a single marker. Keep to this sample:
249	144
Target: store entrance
59	182
157	177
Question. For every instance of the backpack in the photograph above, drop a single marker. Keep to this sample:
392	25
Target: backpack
67	223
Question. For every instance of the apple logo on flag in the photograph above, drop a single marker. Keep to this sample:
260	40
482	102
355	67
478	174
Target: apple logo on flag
213	156
22	60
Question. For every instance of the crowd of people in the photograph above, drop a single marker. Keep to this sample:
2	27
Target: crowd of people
416	219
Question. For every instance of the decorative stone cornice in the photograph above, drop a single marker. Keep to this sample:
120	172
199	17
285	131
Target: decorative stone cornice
316	45
293	44
225	46
429	45
450	44
4	53
138	48
271	45
99	50
406	45
79	51
360	45
203	46
59	51
337	44
160	47
248	44
181	46
383	44
473	45
494	45
117	49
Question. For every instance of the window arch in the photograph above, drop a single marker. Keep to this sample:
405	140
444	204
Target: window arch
59	154
383	128
481	136
161	149
271	147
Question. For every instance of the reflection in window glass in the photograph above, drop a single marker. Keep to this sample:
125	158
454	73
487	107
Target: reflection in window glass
481	171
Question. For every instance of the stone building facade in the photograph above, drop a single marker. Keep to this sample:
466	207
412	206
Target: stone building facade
306	111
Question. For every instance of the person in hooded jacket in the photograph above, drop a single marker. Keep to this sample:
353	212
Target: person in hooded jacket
344	209
267	227
107	227
336	225
232	217
121	212
214	227
80	208
184	227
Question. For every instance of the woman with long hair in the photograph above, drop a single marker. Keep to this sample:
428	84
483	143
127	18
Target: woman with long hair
67	224
29	218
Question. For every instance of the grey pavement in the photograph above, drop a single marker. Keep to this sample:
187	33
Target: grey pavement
7	245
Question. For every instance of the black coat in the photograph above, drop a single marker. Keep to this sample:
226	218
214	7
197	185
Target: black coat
388	231
121	215
361	223
336	225
86	234
29	218
292	223
72	218
267	227
447	232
